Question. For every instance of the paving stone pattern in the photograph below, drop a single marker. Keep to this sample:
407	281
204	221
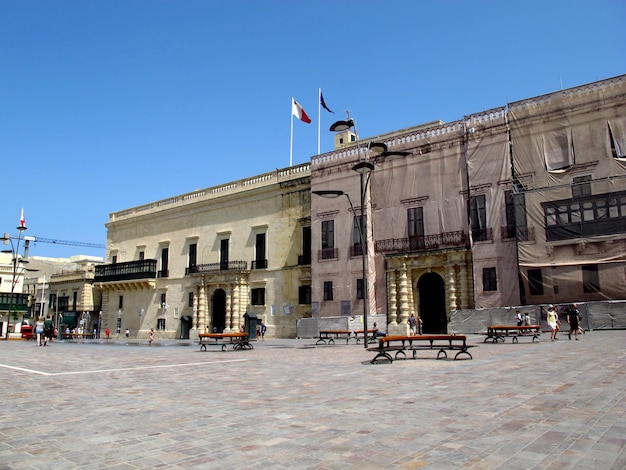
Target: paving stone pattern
291	404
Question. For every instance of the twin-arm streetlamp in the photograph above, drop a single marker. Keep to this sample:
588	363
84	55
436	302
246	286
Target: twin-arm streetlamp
376	151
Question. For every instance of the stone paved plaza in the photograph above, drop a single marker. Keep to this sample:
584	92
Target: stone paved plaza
290	404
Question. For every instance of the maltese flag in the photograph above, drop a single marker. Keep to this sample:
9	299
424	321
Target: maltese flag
22	220
298	112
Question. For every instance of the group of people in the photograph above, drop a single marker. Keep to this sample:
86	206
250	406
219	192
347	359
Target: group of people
522	320
44	330
415	325
573	319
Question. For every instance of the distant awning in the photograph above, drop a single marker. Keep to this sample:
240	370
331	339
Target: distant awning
186	318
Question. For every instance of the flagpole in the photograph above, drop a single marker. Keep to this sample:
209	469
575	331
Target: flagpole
319	117
291	138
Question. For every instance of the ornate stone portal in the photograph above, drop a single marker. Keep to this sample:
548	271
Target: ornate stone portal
404	273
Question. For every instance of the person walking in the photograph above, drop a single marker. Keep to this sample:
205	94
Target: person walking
412	325
572	319
553	321
519	318
263	330
48	330
39	330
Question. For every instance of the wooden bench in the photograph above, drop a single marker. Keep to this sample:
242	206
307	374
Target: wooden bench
239	341
401	344
371	335
497	333
329	336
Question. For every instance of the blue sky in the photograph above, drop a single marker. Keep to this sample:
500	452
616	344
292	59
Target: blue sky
110	104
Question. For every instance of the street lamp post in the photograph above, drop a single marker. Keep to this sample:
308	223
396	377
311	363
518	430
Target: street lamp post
377	151
15	248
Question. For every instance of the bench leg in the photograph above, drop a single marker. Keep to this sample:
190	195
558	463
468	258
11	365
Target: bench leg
203	347
514	339
401	351
321	340
442	351
463	351
381	354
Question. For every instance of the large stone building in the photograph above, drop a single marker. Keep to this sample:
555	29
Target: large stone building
202	260
521	204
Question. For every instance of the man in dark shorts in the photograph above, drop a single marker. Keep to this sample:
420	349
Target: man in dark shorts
572	319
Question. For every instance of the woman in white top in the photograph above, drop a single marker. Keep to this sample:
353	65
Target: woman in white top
39	330
553	321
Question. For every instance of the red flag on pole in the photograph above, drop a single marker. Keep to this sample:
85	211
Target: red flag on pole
298	112
22	220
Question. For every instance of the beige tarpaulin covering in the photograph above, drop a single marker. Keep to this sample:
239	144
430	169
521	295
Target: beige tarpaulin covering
489	171
572	179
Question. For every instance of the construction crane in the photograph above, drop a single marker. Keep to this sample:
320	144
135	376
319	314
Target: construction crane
64	242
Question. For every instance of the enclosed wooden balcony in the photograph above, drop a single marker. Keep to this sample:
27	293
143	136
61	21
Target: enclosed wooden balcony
425	243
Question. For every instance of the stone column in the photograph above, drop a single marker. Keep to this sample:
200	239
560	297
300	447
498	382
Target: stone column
401	327
393	301
229	307
464	292
203	310
451	287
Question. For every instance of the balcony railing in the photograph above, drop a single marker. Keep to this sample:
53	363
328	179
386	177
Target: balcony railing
259	264
19	303
217	267
425	243
327	253
142	269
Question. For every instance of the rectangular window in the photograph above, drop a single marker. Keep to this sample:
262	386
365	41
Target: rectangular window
328	239
163	303
305	258
360	291
193	255
591	279
160	324
190	300
120	302
357	247
224	245
535	282
415	222
490	282
142	255
258	296
328	290
478	217
328	234
74	300
304	295
165	256
516	222
113	259
581	186
260	261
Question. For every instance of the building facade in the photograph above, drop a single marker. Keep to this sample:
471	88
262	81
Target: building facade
201	261
519	204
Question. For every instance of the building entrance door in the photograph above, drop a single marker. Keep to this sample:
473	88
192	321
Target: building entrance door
432	303
218	311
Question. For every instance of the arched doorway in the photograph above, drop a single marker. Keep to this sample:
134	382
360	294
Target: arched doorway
218	311
432	303
185	326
